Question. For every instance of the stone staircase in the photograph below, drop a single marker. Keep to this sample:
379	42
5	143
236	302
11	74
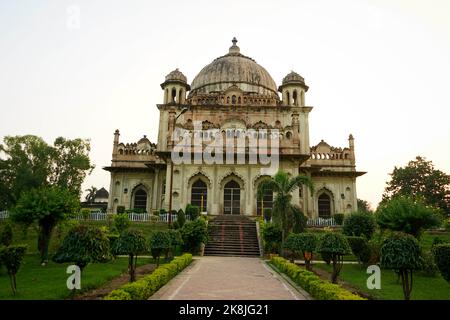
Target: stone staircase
232	235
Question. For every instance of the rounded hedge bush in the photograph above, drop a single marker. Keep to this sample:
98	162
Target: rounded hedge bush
359	224
442	258
360	248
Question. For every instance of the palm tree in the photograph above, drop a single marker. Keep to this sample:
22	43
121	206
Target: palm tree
90	197
284	213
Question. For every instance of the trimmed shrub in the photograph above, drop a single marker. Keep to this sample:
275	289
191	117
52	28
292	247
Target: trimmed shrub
159	242
194	233
326	257
401	252
339	218
359	224
442	258
304	244
406	215
192	211
271	234
360	248
130	243
162	211
121	222
181	218
6	234
85	213
318	288
120	209
144	288
428	266
11	257
83	245
336	245
175	240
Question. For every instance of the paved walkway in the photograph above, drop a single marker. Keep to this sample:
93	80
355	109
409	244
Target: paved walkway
228	278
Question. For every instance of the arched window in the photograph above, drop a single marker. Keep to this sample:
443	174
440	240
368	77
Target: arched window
294	96
228	99
288	135
264	203
233	99
288	98
324	204
199	194
174	95
239	100
180	96
232	198
140	199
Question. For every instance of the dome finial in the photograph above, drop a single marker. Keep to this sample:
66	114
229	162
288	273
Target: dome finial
234	48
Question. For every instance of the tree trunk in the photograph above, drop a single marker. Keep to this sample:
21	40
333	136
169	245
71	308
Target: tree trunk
308	257
45	233
337	266
407	281
12	279
131	268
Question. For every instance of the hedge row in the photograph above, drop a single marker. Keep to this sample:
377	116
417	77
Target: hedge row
144	288
318	288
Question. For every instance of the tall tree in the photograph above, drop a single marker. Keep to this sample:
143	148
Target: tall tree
46	206
28	162
283	209
363	206
90	197
420	180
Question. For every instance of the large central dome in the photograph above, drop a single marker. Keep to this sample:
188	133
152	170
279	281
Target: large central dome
234	69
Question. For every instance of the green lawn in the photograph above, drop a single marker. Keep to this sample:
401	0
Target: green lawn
35	282
424	288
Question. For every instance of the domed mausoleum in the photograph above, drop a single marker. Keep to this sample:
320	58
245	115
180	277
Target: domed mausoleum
234	101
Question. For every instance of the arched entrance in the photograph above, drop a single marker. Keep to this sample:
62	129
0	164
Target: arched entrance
324	206
232	198
199	194
140	199
265	202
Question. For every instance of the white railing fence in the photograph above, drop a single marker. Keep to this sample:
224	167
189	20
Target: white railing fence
321	222
135	217
4	214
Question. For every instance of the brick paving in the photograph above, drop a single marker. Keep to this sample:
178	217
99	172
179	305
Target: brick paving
228	278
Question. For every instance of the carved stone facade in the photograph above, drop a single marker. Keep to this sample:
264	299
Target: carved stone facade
231	96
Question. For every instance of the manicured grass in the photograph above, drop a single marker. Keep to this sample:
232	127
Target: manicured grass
426	240
424	288
35	282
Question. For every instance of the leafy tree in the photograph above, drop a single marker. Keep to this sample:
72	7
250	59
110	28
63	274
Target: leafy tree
175	240
401	252
31	163
300	221
47	206
359	224
441	254
121	222
334	245
91	192
304	243
11	257
131	243
284	213
404	214
192	211
83	245
6	234
363	206
271	234
181	218
360	248
420	180
194	233
159	242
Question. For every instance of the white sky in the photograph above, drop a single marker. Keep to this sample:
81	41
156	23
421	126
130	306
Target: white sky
377	69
